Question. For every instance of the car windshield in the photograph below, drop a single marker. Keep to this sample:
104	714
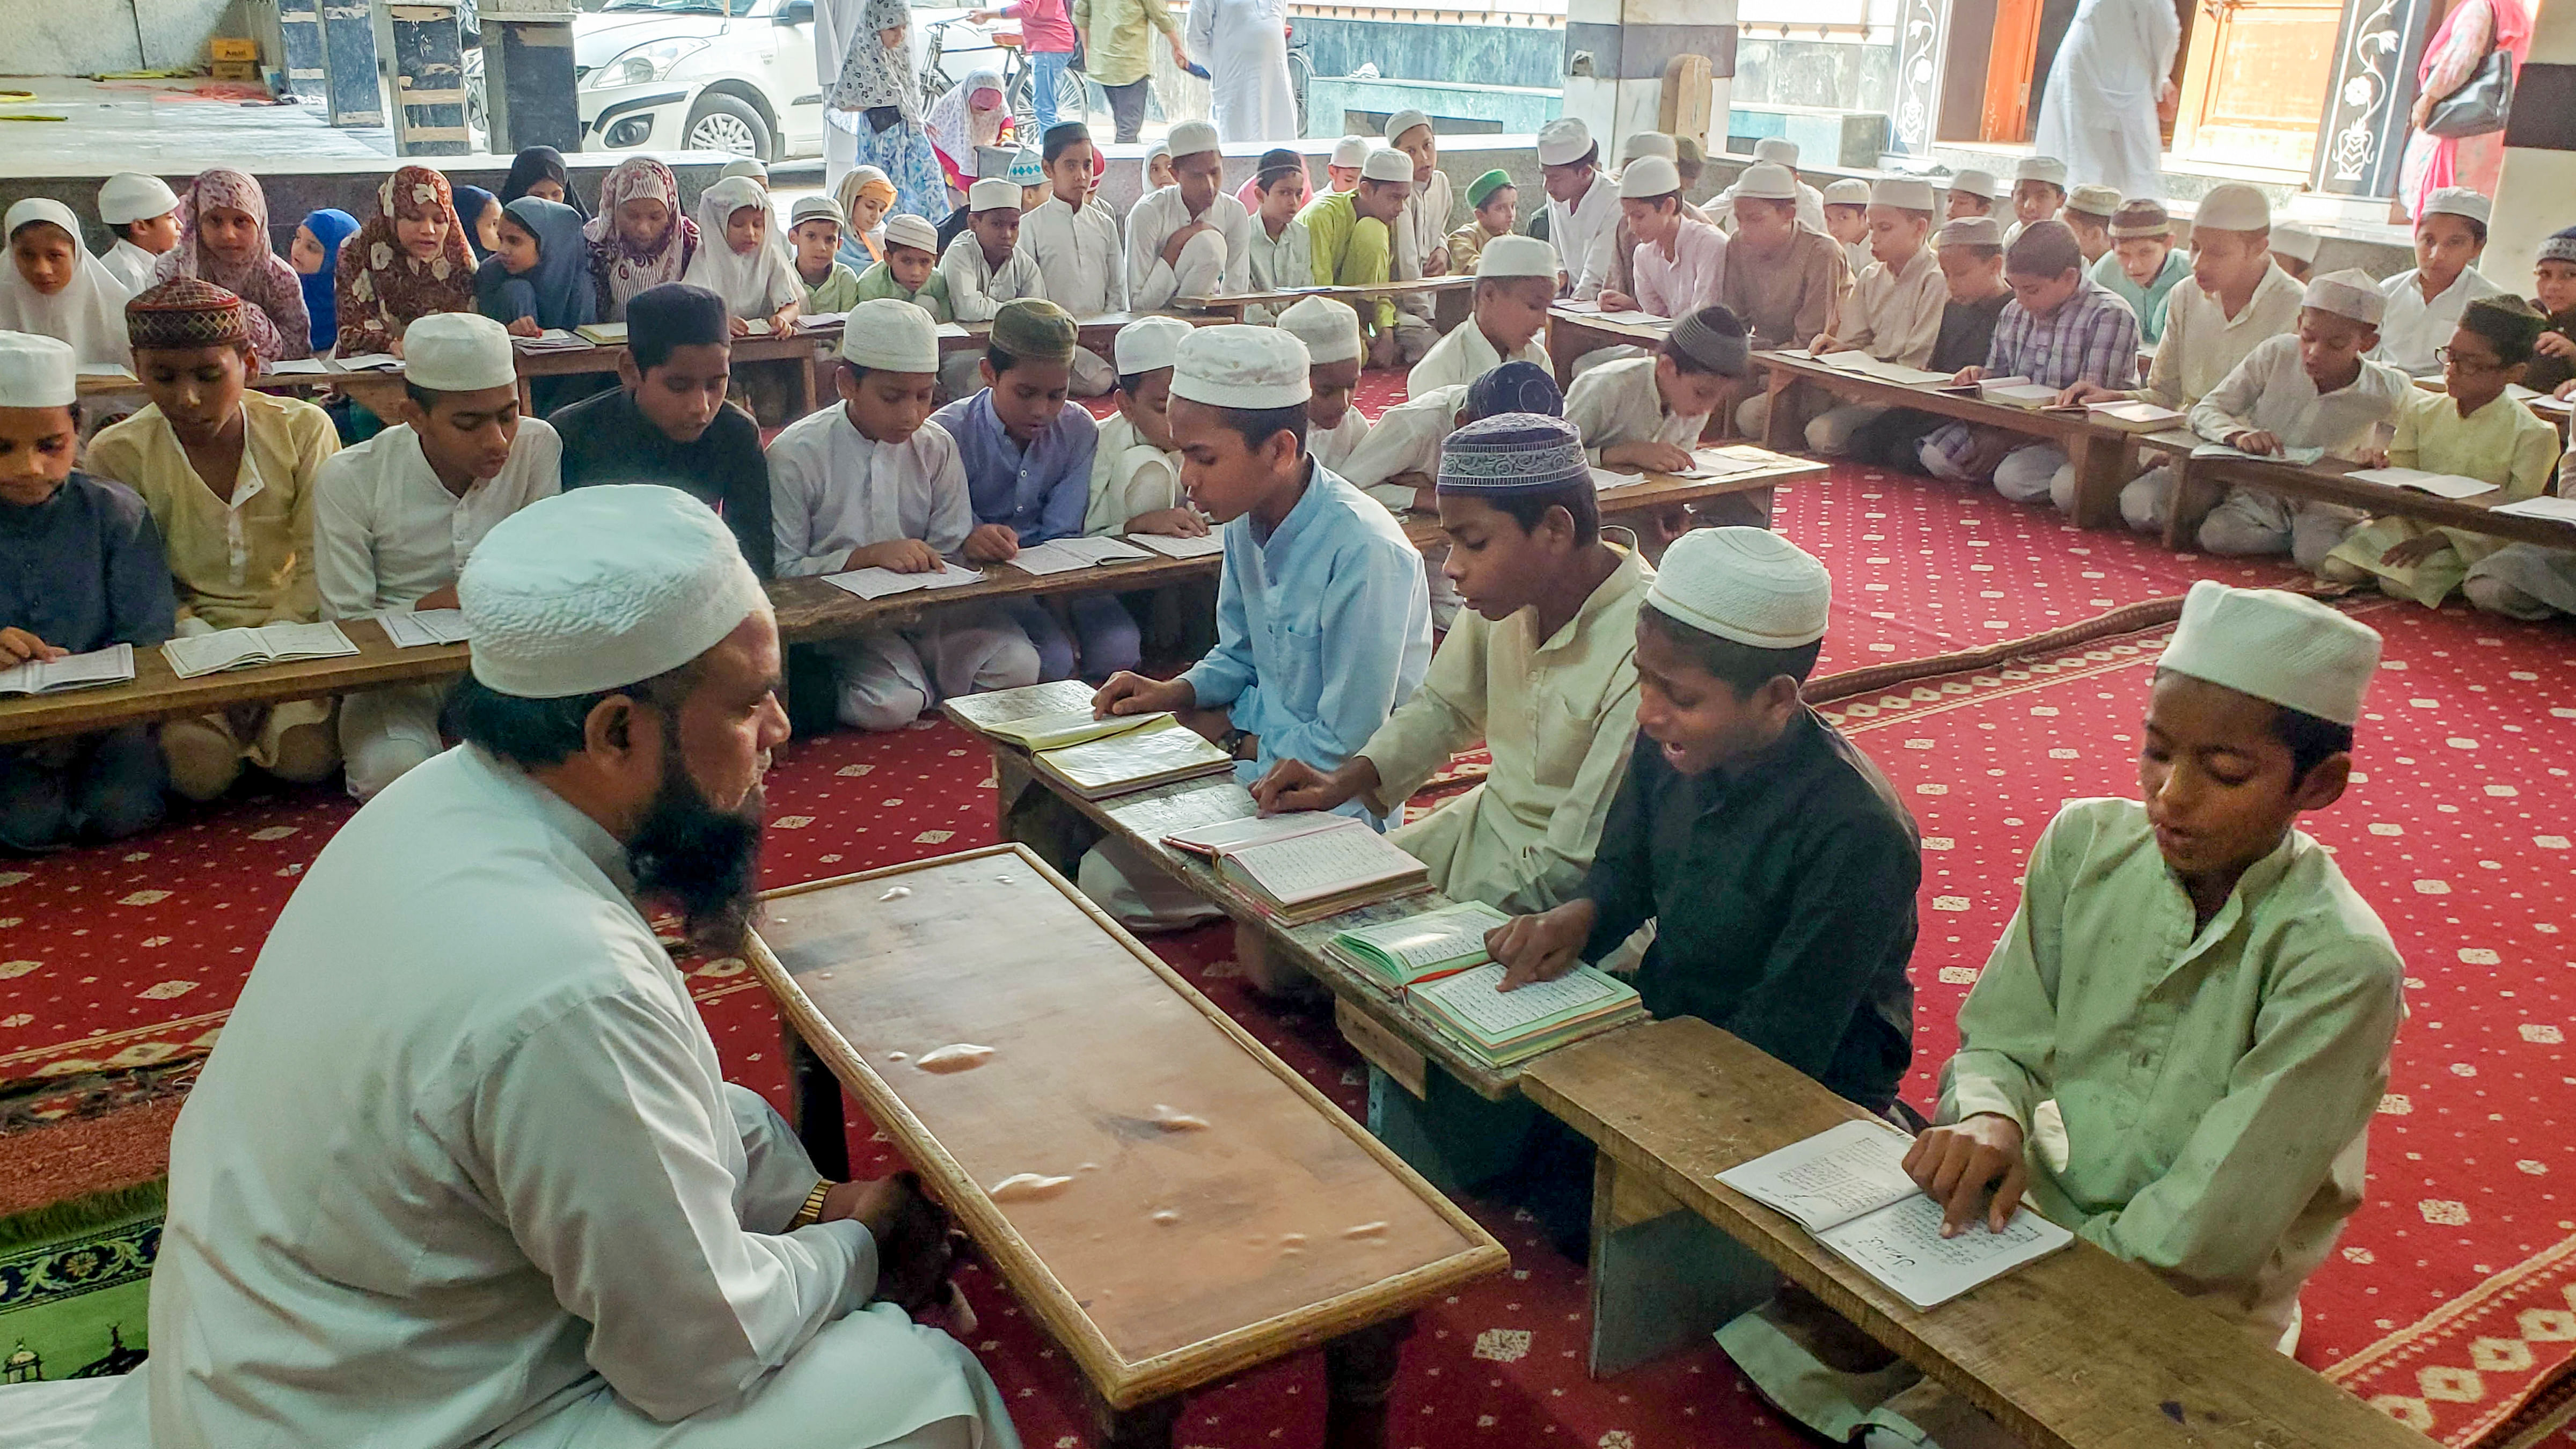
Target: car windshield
728	8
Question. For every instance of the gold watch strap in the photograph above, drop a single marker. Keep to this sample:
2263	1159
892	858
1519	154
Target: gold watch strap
812	1211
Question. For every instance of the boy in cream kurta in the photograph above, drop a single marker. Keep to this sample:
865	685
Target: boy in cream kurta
1895	310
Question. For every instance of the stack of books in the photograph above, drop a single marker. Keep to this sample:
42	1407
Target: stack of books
1405	953
1304	866
1505	1027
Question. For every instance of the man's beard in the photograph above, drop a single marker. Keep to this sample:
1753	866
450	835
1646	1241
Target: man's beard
700	859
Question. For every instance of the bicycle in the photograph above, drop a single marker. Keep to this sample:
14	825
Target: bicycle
1301	70
1072	94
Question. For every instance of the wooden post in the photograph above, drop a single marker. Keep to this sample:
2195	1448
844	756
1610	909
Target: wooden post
353	93
1359	1380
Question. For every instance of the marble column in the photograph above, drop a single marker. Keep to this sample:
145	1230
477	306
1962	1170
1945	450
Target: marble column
1615	53
2532	197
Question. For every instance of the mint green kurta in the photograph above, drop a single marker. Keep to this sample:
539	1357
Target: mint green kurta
2504	443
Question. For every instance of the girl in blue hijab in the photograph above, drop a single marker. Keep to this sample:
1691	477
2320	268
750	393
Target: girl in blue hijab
480	210
539	276
316	257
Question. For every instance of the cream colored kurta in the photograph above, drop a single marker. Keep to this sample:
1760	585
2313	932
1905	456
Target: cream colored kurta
1129	476
2215	1084
1279	262
1077	255
1406	438
2271	392
1465	355
2503	443
1334	448
244	559
2202	344
976	289
1895	315
1556	714
1618	402
386	532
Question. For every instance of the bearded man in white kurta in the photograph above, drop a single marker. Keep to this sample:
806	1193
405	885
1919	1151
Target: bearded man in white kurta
464	1169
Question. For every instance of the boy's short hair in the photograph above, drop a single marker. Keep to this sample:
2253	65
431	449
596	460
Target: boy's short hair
1581	501
1257	426
1061	138
661	320
1744	668
2044	249
2311	739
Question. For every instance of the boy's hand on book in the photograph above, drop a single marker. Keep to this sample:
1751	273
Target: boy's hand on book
1650	454
17	646
1967	375
2256	441
1296	785
896	555
1170	523
436	599
1541	947
2090	392
992	543
1957	1164
1132	693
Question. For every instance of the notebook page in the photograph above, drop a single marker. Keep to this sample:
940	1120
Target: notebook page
1169	547
1902	1247
1442	935
2441	485
1137	754
206	653
1472	998
875	583
2562	510
950	576
1064	696
1323	863
1252	830
303	641
1832	1177
111	665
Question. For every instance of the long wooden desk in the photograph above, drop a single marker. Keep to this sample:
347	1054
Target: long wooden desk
2077	1351
1175	1258
1572	333
1231	306
2199	483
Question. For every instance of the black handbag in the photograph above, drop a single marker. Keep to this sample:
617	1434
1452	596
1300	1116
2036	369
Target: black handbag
2481	103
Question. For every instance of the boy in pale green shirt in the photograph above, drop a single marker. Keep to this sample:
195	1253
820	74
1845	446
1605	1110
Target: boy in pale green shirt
815	232
2143	266
910	271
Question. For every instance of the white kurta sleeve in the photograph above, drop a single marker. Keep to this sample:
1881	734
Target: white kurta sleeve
612	1158
798	469
344	564
1150	280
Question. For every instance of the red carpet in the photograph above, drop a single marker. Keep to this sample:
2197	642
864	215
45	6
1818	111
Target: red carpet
2454	1295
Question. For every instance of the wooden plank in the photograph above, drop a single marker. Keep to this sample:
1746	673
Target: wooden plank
2077	1351
2058	428
1291	1226
2327	482
1230	306
1383	1049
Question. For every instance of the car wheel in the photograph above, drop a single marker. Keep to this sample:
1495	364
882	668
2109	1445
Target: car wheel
725	123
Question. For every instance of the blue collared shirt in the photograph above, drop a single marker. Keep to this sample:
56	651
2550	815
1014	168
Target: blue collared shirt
1041	490
1323	626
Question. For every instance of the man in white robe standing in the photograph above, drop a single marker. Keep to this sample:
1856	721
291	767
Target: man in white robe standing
464	1168
2113	70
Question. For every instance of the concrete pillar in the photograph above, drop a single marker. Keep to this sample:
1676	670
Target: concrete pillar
424	44
2540	150
2362	138
528	75
290	33
1615	52
355	94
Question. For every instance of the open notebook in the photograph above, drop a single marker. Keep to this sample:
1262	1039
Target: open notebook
1847	1185
111	665
2440	485
241	648
412	628
877	583
1505	1027
1157	751
1306	865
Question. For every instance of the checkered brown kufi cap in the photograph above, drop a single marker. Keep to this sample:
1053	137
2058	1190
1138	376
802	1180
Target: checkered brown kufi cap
185	312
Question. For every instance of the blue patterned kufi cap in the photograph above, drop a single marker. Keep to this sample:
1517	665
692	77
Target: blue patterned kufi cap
1515	387
2560	247
1513	453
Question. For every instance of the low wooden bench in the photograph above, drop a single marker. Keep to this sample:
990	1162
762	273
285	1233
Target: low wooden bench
2199	484
1174	1259
1572	332
2076	1351
1231	306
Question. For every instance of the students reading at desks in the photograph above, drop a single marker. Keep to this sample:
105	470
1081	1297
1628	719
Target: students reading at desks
143	213
229	476
54	288
1972	193
1895	310
2313	389
1421	234
2473	429
1493	210
2553	360
1186	241
1027	454
223	239
739	262
80	569
407	261
1847	219
668	421
1398	461
1072	236
1582	205
1676	264
1782	152
1540	669
1783	281
1515	283
814	228
1349	240
640	239
2294	250
1135	470
2088	212
2039	189
2144	265
2424	303
1322	623
1331	332
539	276
1971	256
1647	413
870	484
910	271
395	517
2060	329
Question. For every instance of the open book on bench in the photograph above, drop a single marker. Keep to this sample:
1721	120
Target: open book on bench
1507	1027
111	665
1418	948
1847	1185
1306	865
195	654
1158	750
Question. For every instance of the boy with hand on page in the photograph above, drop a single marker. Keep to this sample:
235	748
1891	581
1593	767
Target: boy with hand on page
1678	261
1515	283
1895	309
1398	461
870	484
1648	412
1970	253
1783	281
80	569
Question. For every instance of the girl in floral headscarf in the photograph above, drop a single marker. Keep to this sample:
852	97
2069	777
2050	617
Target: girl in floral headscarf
639	239
408	261
223	239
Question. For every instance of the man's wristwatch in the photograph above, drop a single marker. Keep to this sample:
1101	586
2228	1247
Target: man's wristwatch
1232	741
812	1211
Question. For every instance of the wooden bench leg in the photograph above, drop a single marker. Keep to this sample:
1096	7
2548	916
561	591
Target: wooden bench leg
2098	481
814	1097
1779	386
1359	1381
2193	496
1663	1277
1146	1426
1031	814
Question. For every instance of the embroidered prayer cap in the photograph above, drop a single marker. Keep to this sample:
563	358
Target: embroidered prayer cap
2233	206
1517	256
1246	368
809	207
889	334
1482	189
601	588
2140	218
1037	329
1026	170
992	194
2296	242
1975	183
37	371
1745	584
2103	201
746	166
903	229
2507	321
1513	453
1563	141
1648	177
1970	231
1766	181
1849	191
2459	201
1515	387
2283	647
458	352
1403	121
1714	338
131	196
2558	246
184	313
2041	168
1191	138
2348	293
1149	344
1778	150
1641	144
1386	165
1350	151
1330	330
1905	193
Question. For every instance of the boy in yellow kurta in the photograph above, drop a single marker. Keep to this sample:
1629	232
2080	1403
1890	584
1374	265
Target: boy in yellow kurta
228	475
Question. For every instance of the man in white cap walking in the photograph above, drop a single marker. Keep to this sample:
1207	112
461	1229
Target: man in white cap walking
480	1180
1188	240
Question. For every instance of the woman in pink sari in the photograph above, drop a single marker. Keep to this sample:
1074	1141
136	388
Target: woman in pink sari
2466	35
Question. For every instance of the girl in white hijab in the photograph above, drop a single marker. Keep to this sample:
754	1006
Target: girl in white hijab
53	287
737	261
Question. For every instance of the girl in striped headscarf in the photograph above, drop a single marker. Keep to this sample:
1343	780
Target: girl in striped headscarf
639	239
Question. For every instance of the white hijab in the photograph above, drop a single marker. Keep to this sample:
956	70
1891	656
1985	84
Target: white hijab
754	286
88	313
